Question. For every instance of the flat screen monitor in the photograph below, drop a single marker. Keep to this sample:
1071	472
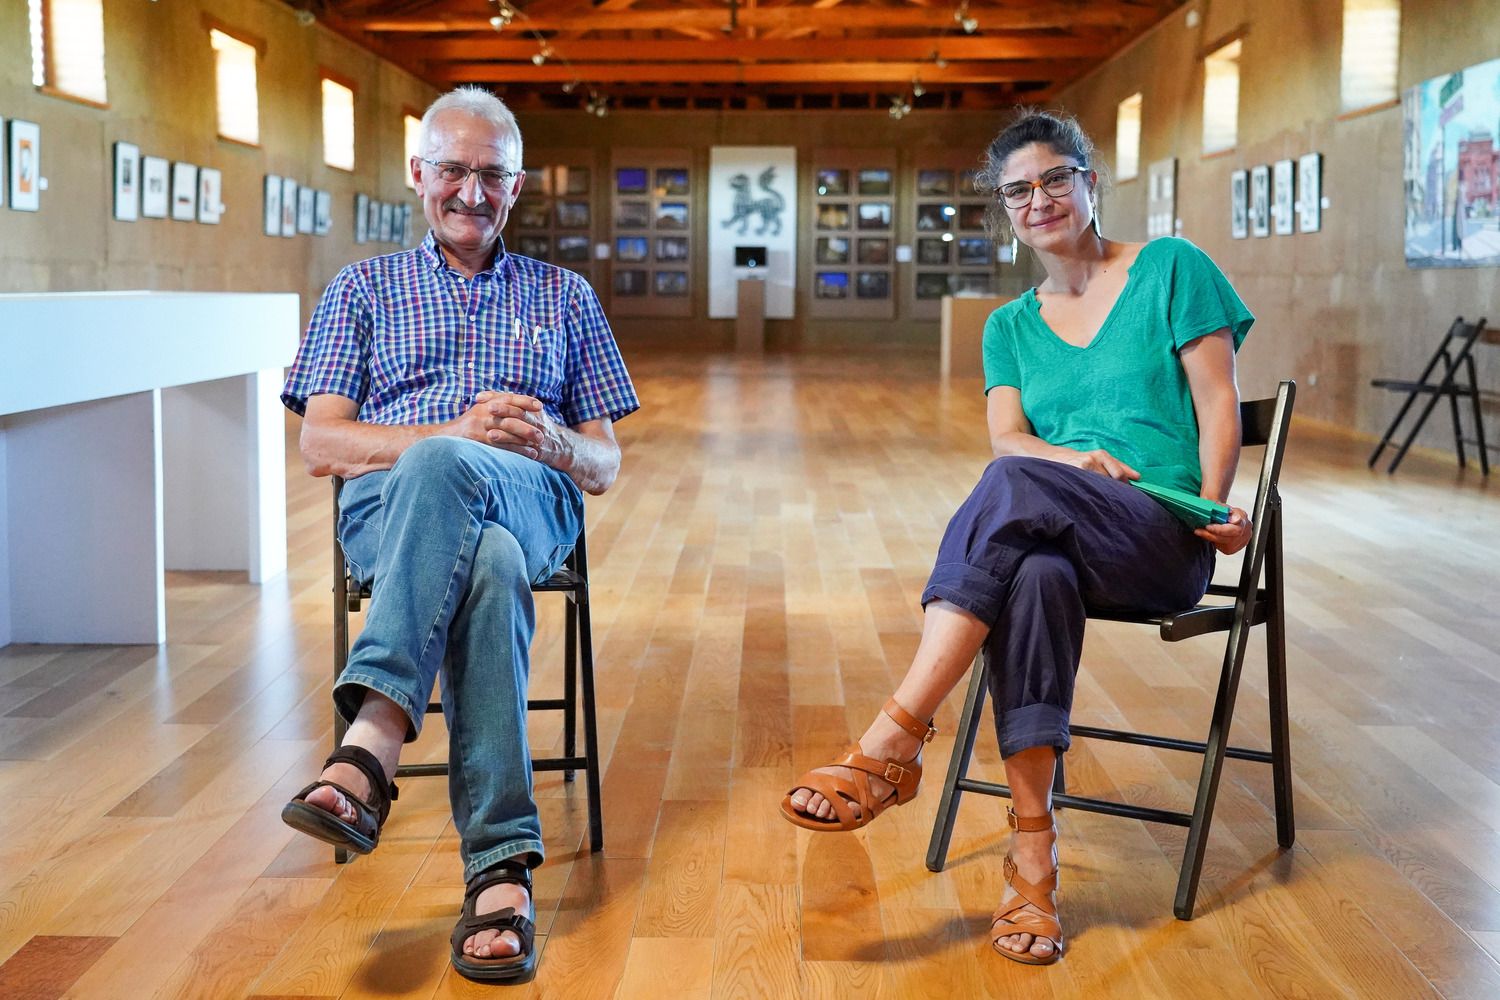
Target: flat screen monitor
749	256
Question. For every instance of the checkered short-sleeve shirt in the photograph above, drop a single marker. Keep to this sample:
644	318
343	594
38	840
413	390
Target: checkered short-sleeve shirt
413	341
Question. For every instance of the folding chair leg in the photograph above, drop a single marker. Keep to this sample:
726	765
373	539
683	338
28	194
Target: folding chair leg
1484	457
1411	436
570	683
1281	740
1390	432
1458	430
590	727
958	766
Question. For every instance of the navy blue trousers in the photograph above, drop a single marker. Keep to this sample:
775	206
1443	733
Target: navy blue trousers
1033	548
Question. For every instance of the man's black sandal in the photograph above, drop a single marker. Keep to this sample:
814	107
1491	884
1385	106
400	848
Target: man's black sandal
517	968
363	834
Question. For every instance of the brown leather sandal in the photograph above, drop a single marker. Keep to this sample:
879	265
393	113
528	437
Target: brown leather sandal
363	834
844	793
518	968
1015	918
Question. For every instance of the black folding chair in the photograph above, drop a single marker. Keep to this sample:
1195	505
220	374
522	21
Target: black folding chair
1440	380
1265	423
578	653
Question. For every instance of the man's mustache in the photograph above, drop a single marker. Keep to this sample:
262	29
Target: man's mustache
456	204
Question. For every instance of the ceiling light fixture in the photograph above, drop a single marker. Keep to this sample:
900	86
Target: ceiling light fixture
543	54
961	15
900	107
917	90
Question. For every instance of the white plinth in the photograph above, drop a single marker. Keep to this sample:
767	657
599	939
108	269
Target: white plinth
139	432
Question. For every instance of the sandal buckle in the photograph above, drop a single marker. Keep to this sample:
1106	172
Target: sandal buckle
898	776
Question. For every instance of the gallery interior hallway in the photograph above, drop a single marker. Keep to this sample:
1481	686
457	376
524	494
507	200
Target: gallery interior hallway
755	577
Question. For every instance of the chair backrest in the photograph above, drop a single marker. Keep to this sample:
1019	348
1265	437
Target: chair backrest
1265	422
1453	349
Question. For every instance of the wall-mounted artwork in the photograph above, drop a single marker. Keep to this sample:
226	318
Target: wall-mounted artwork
1309	192
1452	169
1282	173
127	181
323	214
288	207
306	200
155	196
25	156
210	194
875	182
1161	198
1260	201
1239	204
372	220
385	222
272	211
184	192
832	182
361	218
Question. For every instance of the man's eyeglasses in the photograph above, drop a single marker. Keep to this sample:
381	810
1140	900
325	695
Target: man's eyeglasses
1056	183
490	178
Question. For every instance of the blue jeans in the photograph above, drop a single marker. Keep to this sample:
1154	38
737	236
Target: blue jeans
452	538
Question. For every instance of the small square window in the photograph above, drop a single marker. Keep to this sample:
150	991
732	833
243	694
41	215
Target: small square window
338	124
67	47
1372	41
234	76
1221	98
1128	138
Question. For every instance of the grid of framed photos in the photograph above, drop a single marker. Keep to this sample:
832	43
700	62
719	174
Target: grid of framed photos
853	234
553	219
651	226
951	255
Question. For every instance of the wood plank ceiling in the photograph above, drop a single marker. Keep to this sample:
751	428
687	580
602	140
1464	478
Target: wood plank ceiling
747	53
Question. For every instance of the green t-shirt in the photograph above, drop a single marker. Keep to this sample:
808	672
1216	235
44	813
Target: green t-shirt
1126	392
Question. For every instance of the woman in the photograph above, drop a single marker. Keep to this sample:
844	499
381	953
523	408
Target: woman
1118	367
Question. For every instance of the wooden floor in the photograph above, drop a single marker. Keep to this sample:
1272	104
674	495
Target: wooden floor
756	573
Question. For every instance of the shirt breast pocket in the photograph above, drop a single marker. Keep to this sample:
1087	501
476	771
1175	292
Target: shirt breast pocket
548	355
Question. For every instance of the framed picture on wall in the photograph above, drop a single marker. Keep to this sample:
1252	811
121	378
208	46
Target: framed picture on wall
184	192
671	248
155	198
832	250
385	222
210	191
532	214
873	285
631	248
372	220
672	215
361	218
535	247
671	283
573	214
874	215
1310	188
834	216
673	181
1239	194
306	199
573	180
832	285
968	184
631	283
288	207
932	284
934	218
25	156
1282	173
934	182
874	250
973	252
323	214
573	249
127	181
932	251
876	182
832	182
1260	201
631	180
633	215
272	210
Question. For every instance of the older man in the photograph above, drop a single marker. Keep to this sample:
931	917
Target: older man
467	396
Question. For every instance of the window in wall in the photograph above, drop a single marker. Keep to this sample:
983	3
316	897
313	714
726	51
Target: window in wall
238	99
413	128
1128	138
338	124
1221	98
67	47
1372	36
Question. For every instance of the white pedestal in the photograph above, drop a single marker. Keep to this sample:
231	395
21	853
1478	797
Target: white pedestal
139	432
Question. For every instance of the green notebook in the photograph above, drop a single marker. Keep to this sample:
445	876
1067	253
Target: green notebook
1192	510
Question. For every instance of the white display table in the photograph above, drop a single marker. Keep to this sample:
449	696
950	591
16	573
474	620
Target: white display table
139	432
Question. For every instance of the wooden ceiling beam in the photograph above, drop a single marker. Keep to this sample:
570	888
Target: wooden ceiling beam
873	72
486	47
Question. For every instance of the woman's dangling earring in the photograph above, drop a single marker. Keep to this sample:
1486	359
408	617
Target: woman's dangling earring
1015	248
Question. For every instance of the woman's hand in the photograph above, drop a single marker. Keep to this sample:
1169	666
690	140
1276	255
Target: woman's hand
1099	461
1228	538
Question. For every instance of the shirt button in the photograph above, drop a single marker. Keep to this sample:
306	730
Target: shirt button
471	364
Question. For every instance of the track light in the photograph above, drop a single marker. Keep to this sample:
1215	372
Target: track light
542	55
569	87
917	90
900	108
497	22
961	15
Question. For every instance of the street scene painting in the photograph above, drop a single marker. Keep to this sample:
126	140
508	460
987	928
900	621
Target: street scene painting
1452	169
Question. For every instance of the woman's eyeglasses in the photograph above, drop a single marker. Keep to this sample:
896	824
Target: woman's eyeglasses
1055	183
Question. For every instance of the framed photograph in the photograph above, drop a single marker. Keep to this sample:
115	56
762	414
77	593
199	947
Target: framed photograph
874	215
210	193
631	180
184	192
535	247
1282	173
877	182
573	214
832	285
323	214
974	252
832	250
1239	204
672	215
934	218
1260	201
631	283
672	181
971	218
25	156
573	180
573	249
872	285
873	250
971	284
531	213
832	182
968	185
387	231
372	223
931	284
833	216
288	207
361	215
155	196
1310	192
673	248
306	199
272	212
127	181
671	284
633	215
934	183
406	227
631	249
932	250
